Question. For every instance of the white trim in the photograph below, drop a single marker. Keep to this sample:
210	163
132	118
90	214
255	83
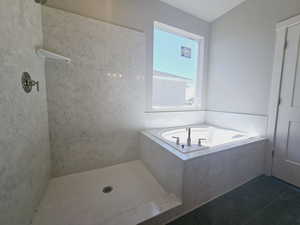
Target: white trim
281	38
200	91
237	113
177	31
174	109
288	23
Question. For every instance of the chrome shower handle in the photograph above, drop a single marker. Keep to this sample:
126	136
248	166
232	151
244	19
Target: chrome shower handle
33	83
37	84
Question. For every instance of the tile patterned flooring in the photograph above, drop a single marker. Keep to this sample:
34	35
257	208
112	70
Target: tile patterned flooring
262	201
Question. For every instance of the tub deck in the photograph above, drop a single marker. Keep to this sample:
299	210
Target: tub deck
188	153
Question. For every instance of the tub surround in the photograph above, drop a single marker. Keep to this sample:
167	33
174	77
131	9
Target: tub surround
199	177
24	137
154	120
216	174
165	166
244	122
250	123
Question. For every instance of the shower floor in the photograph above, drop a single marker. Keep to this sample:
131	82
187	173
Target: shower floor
79	199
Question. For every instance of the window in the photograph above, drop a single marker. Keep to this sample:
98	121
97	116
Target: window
177	68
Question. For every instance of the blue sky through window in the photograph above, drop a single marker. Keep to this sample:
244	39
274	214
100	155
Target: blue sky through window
167	54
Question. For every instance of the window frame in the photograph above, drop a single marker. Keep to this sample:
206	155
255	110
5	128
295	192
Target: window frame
199	87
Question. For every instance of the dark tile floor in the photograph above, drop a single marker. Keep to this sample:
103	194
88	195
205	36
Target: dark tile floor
262	201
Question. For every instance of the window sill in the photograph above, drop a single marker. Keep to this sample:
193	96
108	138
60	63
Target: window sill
164	110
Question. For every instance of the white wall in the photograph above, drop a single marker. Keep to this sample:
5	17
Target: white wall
241	55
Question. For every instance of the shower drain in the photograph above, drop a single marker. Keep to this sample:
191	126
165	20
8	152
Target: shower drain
107	189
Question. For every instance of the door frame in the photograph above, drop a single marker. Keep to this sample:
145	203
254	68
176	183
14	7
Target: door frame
279	59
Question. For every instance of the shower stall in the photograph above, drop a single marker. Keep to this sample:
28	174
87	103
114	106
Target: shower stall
71	106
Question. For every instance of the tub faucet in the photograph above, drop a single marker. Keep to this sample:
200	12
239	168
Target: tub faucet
200	141
189	140
177	140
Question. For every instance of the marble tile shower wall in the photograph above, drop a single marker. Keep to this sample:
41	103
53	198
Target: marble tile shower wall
95	103
24	138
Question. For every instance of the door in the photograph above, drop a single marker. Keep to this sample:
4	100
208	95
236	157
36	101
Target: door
287	143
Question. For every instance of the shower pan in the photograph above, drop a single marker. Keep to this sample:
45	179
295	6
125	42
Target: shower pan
92	78
134	196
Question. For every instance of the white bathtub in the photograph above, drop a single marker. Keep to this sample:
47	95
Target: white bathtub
228	159
210	136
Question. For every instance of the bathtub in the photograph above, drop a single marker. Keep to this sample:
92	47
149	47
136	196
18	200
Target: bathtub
197	174
203	138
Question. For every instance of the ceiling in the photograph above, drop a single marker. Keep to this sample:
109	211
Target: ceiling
208	10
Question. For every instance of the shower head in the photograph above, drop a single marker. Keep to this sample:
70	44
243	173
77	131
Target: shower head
41	1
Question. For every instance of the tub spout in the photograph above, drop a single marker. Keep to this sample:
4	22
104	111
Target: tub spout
189	140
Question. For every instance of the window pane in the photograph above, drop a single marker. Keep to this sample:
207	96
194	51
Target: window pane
175	70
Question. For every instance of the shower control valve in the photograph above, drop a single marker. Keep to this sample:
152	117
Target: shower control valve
28	83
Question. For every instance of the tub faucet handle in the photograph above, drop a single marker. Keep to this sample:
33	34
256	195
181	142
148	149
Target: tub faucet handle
177	140
200	141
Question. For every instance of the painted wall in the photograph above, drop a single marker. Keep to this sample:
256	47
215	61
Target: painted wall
241	55
140	15
24	139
